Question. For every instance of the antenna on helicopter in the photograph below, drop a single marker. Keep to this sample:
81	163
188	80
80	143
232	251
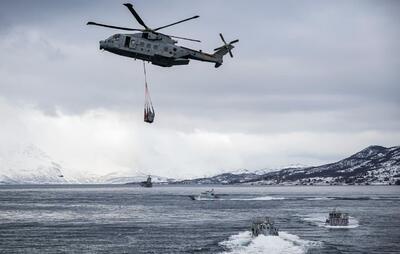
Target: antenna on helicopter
146	28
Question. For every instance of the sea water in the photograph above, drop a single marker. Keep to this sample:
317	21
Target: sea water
163	219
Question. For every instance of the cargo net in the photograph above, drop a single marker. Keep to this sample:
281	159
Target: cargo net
149	112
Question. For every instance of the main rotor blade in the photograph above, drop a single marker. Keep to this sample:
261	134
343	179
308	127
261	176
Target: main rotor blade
162	27
233	41
183	38
222	38
134	13
230	53
115	27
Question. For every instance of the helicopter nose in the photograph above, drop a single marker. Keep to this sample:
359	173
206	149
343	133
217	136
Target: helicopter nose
102	45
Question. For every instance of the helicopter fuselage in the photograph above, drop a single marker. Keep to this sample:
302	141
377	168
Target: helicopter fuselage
159	49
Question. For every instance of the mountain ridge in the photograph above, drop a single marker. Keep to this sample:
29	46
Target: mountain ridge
372	165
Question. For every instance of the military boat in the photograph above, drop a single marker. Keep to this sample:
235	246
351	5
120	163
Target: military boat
264	226
337	218
147	183
210	194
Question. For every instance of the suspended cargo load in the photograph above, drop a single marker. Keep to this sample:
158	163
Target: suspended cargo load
149	112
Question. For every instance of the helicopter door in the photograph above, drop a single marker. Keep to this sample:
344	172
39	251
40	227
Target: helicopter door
127	41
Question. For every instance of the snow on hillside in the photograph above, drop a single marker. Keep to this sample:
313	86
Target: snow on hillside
29	165
372	165
123	178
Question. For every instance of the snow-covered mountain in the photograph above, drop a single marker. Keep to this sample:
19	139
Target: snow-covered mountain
29	165
118	178
373	165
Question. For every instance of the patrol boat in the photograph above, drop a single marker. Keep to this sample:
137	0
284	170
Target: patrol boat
337	218
210	194
147	183
264	226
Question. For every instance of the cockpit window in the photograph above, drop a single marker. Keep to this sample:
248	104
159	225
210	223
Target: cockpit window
113	38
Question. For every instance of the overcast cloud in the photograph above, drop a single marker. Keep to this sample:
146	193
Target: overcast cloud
310	82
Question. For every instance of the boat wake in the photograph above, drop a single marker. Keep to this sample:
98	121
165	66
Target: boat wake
242	199
243	243
259	198
320	218
206	199
319	198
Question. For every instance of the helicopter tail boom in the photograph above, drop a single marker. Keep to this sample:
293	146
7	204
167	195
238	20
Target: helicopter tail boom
219	54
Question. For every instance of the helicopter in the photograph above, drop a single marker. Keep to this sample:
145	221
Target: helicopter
158	48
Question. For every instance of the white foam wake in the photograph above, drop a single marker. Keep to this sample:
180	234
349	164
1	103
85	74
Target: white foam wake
243	199
259	198
319	220
319	198
244	243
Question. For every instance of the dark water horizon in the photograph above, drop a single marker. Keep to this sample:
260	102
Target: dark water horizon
163	219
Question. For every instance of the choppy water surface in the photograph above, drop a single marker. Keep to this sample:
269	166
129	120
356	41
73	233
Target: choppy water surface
127	219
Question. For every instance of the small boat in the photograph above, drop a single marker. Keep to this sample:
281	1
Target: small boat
337	218
264	226
210	194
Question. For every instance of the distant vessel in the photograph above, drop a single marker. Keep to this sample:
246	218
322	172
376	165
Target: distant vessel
147	183
264	226
210	194
337	218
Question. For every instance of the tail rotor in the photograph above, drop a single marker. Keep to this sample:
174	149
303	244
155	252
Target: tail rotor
227	46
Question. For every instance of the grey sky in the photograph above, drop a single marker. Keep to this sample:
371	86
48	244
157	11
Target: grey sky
311	81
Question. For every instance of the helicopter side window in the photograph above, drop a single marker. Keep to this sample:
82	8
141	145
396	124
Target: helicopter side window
142	44
145	35
155	47
165	49
148	45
